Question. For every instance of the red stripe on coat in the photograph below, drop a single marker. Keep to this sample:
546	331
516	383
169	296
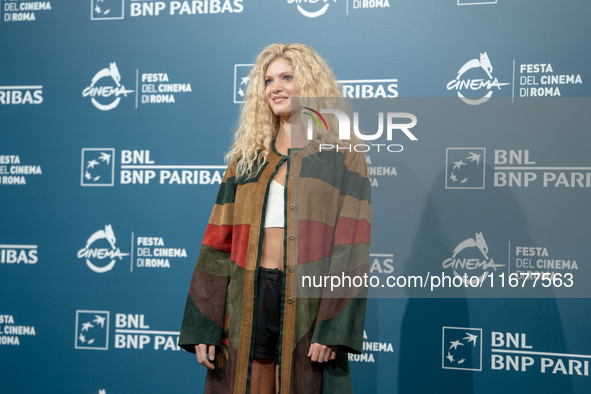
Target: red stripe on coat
240	244
352	231
314	241
218	237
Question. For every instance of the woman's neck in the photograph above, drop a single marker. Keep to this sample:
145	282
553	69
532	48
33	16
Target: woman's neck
283	138
288	137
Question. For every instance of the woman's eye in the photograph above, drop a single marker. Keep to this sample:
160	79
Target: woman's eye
288	77
268	81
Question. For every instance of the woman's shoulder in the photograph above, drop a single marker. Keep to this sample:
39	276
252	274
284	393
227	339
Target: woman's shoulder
355	162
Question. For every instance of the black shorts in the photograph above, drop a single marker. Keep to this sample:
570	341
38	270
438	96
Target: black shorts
268	319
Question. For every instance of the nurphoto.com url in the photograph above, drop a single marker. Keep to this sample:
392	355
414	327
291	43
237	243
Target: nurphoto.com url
433	282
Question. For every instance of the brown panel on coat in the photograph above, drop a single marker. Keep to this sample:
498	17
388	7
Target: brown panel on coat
208	292
307	376
334	302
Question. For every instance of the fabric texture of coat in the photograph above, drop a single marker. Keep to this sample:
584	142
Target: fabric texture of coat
327	232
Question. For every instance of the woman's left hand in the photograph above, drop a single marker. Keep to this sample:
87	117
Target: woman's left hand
322	353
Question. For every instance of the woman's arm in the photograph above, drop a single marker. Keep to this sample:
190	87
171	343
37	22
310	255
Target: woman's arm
203	318
341	313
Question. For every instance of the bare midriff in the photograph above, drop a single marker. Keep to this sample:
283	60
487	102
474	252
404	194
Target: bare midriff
272	252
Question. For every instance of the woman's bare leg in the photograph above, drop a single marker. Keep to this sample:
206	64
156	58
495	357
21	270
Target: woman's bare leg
276	378
263	375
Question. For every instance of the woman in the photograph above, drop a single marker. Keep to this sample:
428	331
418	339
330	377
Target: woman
284	208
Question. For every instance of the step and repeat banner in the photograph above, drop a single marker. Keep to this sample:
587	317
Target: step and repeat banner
115	116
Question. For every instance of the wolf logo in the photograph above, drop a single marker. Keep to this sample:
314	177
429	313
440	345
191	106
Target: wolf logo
102	234
117	77
477	241
455	262
101	253
98	91
483	62
475	84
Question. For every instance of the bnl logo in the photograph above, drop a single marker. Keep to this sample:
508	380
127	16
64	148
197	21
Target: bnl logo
462	348
92	330
106	9
98	167
465	168
241	81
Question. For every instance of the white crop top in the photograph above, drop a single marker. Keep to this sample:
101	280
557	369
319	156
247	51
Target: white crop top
274	215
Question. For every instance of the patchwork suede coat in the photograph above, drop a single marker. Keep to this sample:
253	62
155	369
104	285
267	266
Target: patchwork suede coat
327	232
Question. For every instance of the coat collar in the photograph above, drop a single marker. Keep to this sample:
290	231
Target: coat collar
305	151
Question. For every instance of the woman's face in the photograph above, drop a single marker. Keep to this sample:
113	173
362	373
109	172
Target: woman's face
280	86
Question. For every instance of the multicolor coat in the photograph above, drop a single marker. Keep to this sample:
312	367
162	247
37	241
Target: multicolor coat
327	231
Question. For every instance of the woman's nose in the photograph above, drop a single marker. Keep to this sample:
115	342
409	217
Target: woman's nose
277	86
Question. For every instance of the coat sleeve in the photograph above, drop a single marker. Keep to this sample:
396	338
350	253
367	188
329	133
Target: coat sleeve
341	314
203	318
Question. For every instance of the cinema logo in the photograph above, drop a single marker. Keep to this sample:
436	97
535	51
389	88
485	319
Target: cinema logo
105	89
345	130
471	255
310	9
472	82
95	253
21	94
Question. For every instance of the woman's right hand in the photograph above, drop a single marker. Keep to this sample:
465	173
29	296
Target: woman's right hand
202	350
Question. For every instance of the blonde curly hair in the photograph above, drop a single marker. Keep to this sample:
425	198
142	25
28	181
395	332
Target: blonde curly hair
258	125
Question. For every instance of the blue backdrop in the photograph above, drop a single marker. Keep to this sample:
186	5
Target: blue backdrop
115	116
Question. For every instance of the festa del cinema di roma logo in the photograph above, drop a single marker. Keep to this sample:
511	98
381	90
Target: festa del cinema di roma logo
313	10
471	254
475	84
106	86
310	13
100	254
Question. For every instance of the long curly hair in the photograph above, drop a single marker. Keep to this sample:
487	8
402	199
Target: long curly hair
258	125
